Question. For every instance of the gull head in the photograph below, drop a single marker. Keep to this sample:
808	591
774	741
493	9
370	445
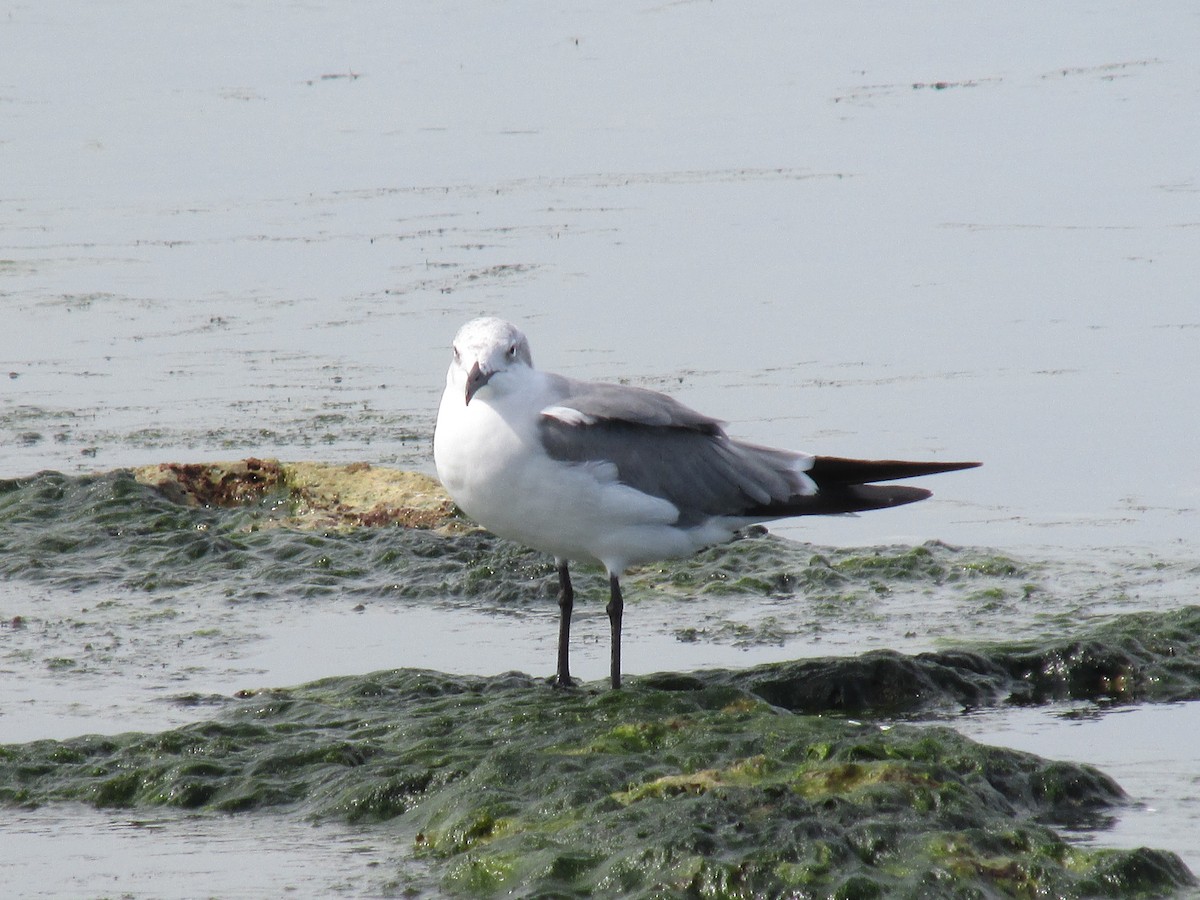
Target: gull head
485	351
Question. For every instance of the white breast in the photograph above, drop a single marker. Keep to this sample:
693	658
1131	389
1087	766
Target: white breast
490	458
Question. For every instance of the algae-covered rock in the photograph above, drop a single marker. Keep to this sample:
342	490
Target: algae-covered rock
685	785
508	786
1131	658
214	484
311	495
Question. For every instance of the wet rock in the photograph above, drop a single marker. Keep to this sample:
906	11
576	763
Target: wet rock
307	494
214	484
508	786
1133	658
879	683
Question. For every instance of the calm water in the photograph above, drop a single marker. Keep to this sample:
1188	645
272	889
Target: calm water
906	232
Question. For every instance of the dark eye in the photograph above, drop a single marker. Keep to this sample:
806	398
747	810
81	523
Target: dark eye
512	352
456	356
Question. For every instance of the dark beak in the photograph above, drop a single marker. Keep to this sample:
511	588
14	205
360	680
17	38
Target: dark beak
476	379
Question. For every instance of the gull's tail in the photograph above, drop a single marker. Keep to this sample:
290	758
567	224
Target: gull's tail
848	485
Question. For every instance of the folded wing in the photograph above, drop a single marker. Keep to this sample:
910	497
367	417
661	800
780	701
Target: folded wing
665	449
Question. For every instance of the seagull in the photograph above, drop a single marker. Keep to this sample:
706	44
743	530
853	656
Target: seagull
620	476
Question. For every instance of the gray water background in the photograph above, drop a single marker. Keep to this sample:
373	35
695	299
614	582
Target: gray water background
912	231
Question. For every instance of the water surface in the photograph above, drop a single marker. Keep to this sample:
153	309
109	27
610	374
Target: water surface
231	231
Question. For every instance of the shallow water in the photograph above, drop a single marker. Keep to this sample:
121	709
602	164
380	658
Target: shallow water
1152	751
170	854
884	233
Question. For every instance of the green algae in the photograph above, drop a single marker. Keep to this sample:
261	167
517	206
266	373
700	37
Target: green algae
690	784
1134	658
786	569
151	572
287	532
113	531
506	785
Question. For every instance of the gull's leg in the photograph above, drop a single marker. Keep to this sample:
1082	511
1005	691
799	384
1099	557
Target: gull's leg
566	603
616	607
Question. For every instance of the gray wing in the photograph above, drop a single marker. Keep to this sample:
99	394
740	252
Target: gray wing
663	448
624	403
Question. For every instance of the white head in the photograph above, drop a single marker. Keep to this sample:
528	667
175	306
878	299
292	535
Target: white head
486	349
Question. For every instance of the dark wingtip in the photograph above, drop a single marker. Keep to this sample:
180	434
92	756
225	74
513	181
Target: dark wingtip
872	496
897	495
839	499
955	466
835	470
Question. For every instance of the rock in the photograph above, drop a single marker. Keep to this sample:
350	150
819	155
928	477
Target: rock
309	494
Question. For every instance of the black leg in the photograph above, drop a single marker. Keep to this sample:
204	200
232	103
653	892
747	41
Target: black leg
566	603
616	608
